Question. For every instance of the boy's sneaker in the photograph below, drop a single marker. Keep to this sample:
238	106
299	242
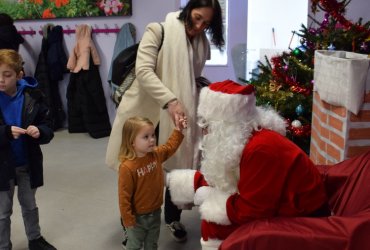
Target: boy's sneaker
177	231
40	244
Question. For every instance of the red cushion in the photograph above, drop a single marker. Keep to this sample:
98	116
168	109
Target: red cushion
348	185
333	233
348	188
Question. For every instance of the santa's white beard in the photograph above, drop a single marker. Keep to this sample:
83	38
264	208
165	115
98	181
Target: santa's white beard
221	150
223	146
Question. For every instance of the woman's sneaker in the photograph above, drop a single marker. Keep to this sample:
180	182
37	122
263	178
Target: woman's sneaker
177	231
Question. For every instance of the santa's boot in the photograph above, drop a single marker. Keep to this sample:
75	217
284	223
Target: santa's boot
210	244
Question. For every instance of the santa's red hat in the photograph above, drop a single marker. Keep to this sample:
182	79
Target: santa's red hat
227	101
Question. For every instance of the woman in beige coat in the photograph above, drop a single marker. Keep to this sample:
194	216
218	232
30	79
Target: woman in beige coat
165	87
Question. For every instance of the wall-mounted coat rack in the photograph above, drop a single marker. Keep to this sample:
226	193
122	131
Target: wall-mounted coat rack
106	30
23	31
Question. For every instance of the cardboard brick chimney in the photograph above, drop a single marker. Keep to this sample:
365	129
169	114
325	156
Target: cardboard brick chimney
341	106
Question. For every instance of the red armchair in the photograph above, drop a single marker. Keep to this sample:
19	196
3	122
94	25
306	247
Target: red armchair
348	188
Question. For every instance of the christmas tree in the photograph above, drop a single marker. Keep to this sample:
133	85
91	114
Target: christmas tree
286	82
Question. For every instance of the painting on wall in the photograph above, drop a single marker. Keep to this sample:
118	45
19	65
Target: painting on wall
46	9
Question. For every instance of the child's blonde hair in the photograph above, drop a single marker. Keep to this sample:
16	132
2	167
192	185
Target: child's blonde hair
11	58
130	129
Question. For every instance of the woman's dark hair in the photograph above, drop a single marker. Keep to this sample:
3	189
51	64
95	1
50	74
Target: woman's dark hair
216	26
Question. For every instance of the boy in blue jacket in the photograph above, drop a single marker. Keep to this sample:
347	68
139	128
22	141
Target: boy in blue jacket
24	124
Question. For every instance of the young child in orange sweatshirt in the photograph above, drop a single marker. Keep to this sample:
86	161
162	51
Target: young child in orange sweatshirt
141	180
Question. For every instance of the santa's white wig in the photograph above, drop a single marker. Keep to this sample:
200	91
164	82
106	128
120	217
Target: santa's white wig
228	110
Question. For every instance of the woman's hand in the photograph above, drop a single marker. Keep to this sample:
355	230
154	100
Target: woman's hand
177	112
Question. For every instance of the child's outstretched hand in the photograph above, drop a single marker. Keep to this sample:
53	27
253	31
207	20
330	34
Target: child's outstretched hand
182	123
33	131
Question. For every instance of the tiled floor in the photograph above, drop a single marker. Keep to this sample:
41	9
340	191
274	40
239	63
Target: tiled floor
78	203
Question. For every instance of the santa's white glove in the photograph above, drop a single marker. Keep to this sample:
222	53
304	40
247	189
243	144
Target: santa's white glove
180	182
213	209
201	194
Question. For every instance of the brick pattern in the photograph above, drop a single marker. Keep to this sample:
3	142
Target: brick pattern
338	134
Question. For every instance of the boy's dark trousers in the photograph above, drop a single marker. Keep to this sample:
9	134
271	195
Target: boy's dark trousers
30	213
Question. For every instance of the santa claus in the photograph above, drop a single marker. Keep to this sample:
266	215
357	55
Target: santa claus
249	169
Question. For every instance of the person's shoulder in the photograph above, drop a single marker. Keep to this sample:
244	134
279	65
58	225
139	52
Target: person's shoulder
154	27
265	138
150	156
127	162
126	165
151	25
173	15
31	84
267	132
35	93
133	164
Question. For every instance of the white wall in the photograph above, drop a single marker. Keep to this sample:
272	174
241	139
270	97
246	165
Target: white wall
357	9
264	16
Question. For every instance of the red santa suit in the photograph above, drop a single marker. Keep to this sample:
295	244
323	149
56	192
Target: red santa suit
249	170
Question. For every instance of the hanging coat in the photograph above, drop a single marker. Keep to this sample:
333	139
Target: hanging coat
51	66
9	38
87	110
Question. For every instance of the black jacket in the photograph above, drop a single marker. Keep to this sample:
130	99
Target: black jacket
50	68
35	112
87	110
9	38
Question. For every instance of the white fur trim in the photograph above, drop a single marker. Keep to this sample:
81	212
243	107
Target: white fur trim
270	119
216	106
201	194
213	208
210	244
181	185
